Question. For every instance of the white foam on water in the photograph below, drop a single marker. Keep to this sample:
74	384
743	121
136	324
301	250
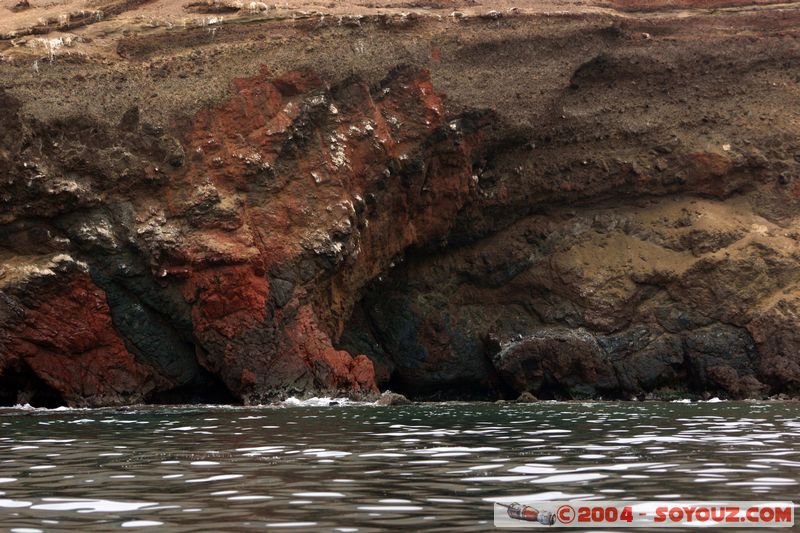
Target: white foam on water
390	508
11	504
326	453
498	478
651	438
456	449
782	462
543	496
22	406
324	401
221	477
293	524
776	481
625	466
142	523
436	433
485	467
570	478
90	506
534	469
318	494
262	449
600	448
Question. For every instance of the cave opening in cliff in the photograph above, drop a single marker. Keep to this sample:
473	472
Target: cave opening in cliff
418	357
21	386
206	388
466	390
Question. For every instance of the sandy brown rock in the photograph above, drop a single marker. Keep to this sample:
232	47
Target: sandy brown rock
611	302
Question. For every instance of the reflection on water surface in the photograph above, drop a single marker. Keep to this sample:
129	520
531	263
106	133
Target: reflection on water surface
432	467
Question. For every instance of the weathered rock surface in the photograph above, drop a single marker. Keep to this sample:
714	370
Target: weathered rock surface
255	204
392	398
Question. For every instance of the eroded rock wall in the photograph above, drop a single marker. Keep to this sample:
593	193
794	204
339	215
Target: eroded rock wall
237	250
586	204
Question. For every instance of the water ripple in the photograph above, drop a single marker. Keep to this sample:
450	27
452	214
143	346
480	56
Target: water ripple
364	468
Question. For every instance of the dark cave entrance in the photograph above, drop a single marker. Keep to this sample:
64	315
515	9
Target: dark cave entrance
205	388
20	386
382	328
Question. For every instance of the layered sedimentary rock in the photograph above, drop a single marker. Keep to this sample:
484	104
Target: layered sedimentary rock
451	204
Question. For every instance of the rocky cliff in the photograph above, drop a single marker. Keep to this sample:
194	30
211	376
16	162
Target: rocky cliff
238	202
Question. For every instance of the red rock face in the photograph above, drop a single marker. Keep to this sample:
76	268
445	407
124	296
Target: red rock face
66	338
318	189
292	195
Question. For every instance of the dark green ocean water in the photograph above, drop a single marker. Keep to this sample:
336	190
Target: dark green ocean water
429	467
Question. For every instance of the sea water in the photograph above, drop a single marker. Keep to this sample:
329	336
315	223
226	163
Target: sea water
423	467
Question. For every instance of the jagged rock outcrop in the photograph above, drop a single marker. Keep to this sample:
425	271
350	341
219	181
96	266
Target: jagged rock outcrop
509	204
237	251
